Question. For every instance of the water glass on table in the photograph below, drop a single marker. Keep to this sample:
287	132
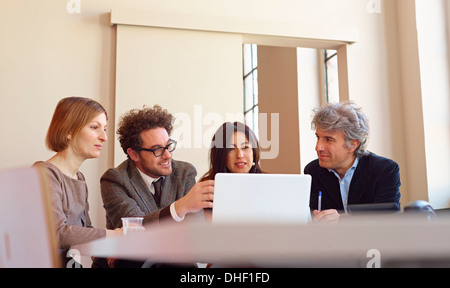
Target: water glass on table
132	225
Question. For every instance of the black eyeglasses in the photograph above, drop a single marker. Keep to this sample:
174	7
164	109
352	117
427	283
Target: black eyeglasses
158	152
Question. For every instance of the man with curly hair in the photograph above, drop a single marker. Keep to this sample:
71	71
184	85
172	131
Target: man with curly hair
130	189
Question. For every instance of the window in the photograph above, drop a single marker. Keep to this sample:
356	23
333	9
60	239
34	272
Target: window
331	76
250	81
250	69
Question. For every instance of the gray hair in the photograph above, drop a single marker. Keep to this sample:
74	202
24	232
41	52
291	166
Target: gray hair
346	118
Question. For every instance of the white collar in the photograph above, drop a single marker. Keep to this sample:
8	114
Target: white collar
354	165
149	180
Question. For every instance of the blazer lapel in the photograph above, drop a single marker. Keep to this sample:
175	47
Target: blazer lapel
169	189
329	185
141	189
166	196
359	182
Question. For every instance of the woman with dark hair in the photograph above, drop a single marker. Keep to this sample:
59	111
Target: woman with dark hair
234	149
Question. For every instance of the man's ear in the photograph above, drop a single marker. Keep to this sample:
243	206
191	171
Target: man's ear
353	145
133	154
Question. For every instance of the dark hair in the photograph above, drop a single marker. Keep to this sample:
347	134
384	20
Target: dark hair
135	121
70	116
219	150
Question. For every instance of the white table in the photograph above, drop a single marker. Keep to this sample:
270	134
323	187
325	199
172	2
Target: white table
353	242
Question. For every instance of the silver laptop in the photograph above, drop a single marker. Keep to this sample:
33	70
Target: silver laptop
261	198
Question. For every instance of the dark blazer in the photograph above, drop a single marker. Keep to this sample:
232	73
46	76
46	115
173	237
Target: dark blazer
376	180
125	194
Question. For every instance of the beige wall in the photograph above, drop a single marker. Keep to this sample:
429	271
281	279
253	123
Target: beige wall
434	73
47	54
309	95
196	76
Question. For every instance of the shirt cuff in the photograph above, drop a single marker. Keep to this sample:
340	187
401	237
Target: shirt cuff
174	214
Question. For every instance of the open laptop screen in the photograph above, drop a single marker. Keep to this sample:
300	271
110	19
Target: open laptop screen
261	198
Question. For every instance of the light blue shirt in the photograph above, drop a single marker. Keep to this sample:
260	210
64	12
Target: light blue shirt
344	184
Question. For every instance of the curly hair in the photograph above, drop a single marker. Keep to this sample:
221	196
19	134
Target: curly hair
345	117
136	121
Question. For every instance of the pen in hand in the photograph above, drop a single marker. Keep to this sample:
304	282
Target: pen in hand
320	202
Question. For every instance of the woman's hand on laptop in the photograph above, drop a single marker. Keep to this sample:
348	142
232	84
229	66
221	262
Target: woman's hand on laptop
330	215
200	196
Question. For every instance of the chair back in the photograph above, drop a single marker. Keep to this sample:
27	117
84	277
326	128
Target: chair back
27	228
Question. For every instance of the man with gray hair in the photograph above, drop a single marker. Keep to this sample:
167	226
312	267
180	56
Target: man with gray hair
345	172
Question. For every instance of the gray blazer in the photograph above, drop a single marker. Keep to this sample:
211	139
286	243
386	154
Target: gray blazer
125	194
